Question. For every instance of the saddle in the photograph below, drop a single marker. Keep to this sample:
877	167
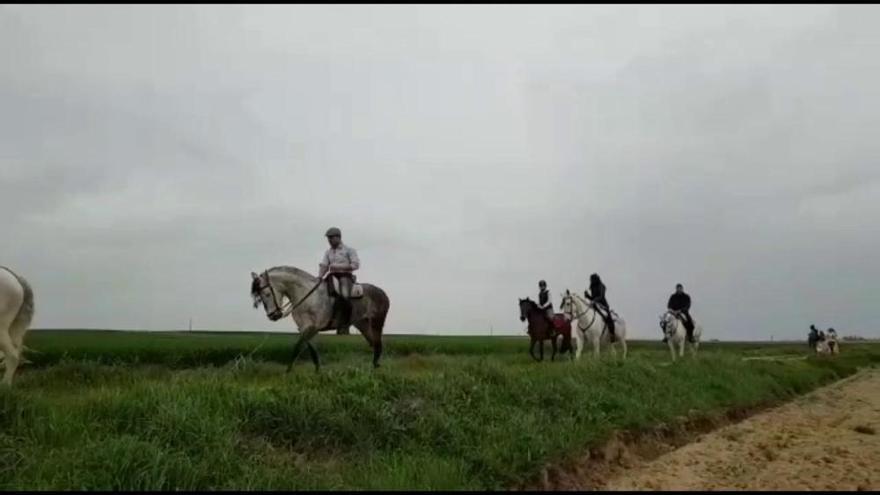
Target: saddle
679	315
609	318
357	290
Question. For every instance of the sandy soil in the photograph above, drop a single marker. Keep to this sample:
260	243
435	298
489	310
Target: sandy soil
826	440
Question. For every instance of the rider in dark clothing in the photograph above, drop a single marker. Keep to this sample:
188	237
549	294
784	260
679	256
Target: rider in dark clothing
596	294
813	336
544	301
681	302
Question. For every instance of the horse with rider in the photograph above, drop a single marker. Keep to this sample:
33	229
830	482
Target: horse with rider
543	324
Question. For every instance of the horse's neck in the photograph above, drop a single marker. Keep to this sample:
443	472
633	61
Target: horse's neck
293	285
535	314
581	307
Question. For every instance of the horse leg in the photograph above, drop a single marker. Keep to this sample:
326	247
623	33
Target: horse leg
313	353
681	346
553	344
671	347
532	350
541	348
304	338
368	328
377	325
10	352
596	344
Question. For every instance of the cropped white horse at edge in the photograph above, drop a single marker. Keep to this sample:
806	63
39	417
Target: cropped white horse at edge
16	313
589	324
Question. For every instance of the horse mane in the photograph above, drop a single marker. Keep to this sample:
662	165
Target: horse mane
294	270
576	297
255	284
532	304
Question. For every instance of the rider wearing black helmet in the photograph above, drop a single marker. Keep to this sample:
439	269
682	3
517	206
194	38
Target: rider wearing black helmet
544	301
596	294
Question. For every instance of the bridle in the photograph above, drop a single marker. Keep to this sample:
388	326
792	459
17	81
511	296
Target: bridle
282	311
674	314
576	317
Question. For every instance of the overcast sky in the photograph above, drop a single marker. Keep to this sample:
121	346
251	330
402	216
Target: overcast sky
151	157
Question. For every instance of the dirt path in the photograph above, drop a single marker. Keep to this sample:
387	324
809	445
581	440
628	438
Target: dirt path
827	440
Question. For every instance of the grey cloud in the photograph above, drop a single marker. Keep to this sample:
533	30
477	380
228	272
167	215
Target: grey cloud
153	156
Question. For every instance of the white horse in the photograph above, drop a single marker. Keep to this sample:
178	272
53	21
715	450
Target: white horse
827	343
589	324
16	312
676	333
310	304
833	343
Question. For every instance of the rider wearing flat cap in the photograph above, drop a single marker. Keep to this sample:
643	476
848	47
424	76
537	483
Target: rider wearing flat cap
340	261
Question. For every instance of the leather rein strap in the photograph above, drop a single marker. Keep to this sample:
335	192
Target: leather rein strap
286	312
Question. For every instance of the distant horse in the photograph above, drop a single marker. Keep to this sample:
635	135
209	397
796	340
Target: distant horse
676	334
833	344
820	346
826	343
590	325
310	303
16	312
540	329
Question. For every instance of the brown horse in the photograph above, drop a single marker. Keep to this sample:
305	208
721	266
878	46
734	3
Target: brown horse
541	329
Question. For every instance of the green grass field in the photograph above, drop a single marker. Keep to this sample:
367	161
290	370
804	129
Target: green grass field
147	411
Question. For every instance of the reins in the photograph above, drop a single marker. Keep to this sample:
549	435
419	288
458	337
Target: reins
576	317
286	312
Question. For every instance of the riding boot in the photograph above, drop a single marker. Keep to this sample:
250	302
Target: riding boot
609	322
344	315
335	314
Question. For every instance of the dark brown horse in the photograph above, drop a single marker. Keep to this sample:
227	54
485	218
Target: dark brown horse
541	329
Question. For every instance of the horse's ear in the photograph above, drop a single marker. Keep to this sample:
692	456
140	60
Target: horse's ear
254	275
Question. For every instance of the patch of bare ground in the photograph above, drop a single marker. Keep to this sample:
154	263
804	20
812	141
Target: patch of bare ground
825	440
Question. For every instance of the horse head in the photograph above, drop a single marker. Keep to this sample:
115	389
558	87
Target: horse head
525	307
567	305
665	319
263	291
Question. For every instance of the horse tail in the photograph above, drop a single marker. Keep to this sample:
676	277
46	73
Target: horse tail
384	305
25	313
377	320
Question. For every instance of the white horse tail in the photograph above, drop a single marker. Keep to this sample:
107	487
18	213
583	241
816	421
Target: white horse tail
25	314
16	313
